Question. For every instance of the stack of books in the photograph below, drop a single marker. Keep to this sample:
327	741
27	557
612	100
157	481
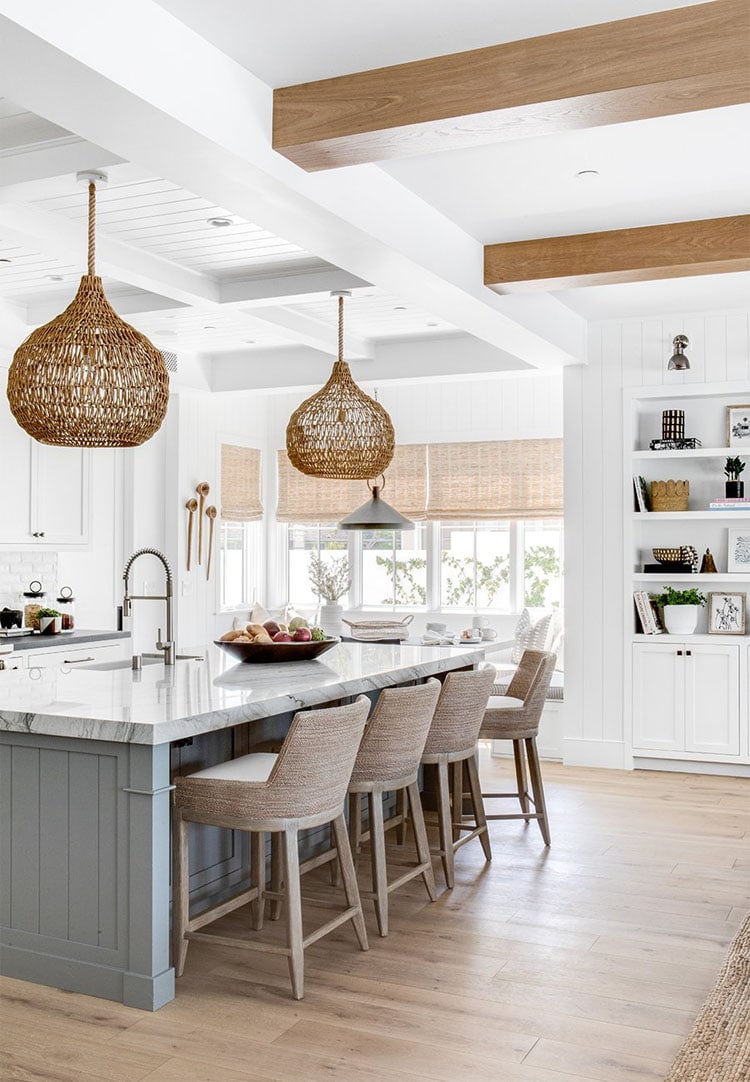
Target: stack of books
731	503
689	443
647	617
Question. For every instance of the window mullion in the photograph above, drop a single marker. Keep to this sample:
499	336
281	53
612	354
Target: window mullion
354	555
516	574
432	550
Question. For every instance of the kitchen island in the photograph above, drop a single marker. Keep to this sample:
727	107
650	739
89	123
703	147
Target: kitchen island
87	755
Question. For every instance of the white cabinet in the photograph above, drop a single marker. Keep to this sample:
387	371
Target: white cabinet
45	489
60	654
686	698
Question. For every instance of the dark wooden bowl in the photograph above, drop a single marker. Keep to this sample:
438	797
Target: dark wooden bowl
264	653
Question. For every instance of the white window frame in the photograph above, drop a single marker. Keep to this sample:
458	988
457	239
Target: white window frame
353	599
252	563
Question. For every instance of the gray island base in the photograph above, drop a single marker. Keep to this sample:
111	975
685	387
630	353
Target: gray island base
86	762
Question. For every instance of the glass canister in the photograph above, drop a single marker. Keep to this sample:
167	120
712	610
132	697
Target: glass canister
32	604
66	603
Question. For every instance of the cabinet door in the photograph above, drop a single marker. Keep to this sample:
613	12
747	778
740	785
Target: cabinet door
659	696
15	454
712	699
62	491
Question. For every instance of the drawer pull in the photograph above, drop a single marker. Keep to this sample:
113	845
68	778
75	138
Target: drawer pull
76	660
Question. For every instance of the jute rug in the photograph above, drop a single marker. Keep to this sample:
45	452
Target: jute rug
717	1048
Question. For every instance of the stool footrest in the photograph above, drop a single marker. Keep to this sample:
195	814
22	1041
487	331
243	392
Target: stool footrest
216	911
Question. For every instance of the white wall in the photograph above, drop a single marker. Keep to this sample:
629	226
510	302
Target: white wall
622	353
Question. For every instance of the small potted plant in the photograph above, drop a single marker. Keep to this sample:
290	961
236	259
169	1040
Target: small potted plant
330	581
680	609
734	488
50	621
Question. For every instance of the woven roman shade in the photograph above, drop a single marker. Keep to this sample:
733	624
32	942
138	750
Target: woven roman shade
306	499
504	479
240	484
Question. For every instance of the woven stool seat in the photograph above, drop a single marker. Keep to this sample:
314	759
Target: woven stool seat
303	786
452	742
388	761
516	717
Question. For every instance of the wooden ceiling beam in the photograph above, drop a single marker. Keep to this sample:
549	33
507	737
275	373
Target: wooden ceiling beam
677	250
662	64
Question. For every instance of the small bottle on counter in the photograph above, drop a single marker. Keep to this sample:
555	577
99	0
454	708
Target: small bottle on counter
67	606
32	604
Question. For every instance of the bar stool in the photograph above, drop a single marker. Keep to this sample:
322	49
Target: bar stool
452	740
388	761
515	716
303	786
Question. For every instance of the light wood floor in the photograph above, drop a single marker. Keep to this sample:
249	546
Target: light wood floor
588	961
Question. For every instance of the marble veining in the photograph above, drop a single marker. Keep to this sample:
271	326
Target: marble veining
160	704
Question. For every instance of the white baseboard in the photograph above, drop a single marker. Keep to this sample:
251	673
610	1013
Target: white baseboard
605	753
683	766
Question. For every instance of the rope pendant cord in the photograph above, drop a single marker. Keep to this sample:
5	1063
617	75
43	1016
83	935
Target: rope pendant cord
92	228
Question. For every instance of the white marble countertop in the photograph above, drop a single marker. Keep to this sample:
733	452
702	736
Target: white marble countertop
160	704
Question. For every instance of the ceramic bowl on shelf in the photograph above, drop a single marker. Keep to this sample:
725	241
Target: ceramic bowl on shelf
271	653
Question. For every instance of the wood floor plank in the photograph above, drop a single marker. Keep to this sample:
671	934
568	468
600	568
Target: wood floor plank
585	961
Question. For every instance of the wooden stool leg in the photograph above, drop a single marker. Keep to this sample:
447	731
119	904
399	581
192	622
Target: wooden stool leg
294	937
377	858
537	788
521	782
444	824
258	877
478	805
420	839
457	797
355	822
350	880
276	875
333	865
402	811
180	890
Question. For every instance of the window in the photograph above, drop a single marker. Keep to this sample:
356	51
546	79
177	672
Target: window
325	542
240	535
240	548
453	566
394	568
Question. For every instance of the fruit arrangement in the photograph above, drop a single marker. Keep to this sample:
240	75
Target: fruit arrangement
298	630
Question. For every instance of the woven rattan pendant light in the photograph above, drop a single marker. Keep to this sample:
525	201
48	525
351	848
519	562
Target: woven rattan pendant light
87	378
340	432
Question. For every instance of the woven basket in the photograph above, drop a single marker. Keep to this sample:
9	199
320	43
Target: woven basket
374	630
670	495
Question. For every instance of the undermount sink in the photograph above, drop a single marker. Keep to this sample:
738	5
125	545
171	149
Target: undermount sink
120	663
127	663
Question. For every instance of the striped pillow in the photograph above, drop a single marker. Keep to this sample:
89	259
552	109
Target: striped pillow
545	634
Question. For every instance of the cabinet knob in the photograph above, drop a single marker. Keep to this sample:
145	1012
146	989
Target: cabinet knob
41	533
679	653
688	653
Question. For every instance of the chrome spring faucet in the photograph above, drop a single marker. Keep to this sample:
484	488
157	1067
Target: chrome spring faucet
167	646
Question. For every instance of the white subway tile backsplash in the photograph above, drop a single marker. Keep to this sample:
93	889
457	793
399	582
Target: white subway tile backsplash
18	569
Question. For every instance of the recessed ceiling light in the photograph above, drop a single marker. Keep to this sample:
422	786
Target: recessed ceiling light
587	174
249	341
433	324
400	308
220	223
209	327
5	261
54	277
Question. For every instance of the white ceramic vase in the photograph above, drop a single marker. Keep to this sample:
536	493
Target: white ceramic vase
330	619
681	619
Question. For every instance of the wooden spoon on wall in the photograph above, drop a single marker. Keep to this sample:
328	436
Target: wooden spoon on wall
203	490
211	516
192	507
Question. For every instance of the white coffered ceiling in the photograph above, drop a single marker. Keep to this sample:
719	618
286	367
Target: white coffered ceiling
184	135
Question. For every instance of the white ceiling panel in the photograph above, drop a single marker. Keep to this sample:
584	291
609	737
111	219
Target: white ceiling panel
375	315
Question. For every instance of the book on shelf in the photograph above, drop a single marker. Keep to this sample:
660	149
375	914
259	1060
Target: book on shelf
689	443
642	495
727	505
646	615
677	567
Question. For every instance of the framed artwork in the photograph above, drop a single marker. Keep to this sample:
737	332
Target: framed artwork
726	613
738	558
738	426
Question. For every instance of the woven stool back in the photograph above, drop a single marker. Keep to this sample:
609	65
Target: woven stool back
310	777
531	683
459	711
523	677
396	732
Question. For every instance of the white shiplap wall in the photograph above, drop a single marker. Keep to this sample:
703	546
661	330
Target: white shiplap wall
622	353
